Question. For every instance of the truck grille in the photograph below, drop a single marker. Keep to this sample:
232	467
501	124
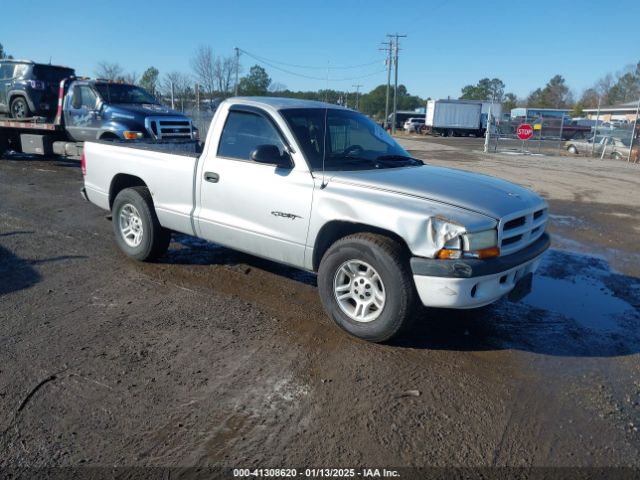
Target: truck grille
169	127
517	231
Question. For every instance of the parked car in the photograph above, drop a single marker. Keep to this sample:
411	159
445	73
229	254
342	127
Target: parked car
281	179
414	125
615	147
28	88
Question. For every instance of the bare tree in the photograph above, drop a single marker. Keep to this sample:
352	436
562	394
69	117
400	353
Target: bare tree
131	78
109	71
224	72
182	90
204	66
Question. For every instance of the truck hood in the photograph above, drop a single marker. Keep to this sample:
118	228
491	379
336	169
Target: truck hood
472	191
145	109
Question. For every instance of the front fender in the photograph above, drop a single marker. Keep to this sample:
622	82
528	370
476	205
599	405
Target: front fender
424	225
118	128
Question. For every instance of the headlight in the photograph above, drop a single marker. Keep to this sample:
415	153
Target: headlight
472	245
479	240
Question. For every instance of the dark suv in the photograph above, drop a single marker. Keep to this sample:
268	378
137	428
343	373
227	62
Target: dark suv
28	88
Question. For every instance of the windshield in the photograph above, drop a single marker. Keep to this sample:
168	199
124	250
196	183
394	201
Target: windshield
119	93
353	142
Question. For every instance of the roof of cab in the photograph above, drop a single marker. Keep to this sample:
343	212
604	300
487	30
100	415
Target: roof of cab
281	103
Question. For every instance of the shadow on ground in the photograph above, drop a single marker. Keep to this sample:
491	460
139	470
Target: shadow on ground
15	272
55	161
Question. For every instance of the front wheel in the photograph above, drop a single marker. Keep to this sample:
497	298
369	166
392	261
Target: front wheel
366	286
572	149
136	227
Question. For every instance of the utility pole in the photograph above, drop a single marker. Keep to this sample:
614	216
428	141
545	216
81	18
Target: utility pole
237	69
388	48
357	87
198	99
396	48
633	132
595	130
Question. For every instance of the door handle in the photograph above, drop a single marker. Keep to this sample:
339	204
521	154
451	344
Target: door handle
211	177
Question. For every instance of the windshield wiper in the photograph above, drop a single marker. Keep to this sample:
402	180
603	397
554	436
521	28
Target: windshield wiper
398	158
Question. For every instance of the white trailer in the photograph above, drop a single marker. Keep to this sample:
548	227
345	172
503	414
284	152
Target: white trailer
454	117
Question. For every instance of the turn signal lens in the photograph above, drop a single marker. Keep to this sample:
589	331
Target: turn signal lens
446	254
449	254
132	135
488	252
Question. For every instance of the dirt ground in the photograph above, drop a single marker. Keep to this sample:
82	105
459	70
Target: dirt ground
211	357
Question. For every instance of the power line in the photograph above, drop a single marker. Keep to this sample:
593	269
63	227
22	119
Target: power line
311	77
309	67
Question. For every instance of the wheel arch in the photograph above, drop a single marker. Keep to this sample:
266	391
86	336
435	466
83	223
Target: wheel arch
13	94
122	181
337	229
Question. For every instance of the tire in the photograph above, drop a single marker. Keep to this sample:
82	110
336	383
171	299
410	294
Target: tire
387	295
572	149
616	156
135	225
451	133
110	137
4	144
20	108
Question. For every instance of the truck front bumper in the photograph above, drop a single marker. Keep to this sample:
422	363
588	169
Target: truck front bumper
471	283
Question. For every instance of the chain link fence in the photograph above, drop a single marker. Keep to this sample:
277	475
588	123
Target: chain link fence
559	134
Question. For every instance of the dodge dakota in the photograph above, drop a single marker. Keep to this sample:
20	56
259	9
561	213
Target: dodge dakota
325	189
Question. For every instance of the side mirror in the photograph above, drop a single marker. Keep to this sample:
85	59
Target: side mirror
270	154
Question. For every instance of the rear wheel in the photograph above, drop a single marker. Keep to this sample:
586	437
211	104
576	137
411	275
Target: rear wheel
572	149
616	156
366	286
136	227
20	108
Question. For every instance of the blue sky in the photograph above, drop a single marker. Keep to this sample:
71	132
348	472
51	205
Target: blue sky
450	43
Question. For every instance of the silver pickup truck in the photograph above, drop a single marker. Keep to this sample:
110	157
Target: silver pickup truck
325	189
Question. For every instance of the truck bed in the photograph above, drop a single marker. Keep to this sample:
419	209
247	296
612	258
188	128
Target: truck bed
167	168
190	148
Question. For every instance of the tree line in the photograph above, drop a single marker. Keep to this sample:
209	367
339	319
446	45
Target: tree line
612	89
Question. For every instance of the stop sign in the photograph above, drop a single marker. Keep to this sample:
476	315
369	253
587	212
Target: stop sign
524	131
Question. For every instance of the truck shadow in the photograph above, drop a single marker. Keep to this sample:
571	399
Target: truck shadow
187	250
578	307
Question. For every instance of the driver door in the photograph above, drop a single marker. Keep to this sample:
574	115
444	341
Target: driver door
81	113
253	207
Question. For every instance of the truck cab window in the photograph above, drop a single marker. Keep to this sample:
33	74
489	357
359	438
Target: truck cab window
243	132
84	97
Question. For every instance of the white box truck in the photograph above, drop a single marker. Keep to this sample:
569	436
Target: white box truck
455	118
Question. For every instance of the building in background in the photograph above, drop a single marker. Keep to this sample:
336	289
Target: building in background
534	112
623	112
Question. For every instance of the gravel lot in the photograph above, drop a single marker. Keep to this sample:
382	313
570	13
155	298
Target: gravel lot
211	357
